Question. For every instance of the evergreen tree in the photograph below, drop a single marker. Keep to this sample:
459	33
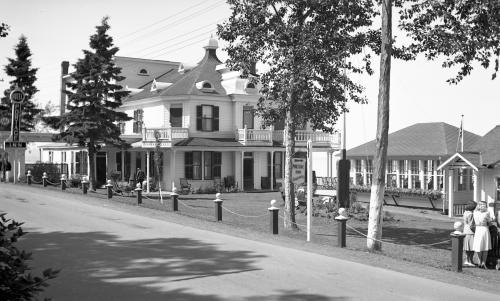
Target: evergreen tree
93	96
24	77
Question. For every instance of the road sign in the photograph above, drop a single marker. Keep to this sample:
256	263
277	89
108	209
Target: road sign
16	121
15	144
16	96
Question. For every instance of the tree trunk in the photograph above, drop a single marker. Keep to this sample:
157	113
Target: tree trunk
380	158
91	152
289	216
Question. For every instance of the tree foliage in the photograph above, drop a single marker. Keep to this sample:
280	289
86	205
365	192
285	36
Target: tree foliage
91	118
16	282
463	32
4	30
24	77
306	46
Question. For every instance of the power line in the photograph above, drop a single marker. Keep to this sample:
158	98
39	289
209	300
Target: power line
159	21
176	22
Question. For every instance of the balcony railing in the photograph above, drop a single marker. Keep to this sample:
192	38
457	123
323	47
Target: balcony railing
165	134
266	137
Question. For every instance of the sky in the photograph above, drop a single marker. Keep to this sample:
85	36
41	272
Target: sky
175	30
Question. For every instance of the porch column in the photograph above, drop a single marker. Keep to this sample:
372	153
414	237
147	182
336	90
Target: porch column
123	165
434	175
421	168
147	171
242	172
408	173
271	176
172	167
398	182
363	170
475	178
450	192
328	164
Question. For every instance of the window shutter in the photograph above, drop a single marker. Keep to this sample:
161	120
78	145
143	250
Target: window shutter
188	165
216	118
199	126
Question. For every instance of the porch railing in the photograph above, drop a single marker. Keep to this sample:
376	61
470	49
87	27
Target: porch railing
168	134
252	136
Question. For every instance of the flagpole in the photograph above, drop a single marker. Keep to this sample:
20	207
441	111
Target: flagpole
462	134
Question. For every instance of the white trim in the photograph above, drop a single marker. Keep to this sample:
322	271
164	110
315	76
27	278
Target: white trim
453	157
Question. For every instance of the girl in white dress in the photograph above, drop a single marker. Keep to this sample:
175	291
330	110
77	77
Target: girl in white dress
482	239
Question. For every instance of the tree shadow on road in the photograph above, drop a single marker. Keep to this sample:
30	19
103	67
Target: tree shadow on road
100	266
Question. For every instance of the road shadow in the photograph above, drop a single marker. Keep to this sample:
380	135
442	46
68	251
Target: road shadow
96	264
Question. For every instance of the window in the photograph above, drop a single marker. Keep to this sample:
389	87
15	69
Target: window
248	117
415	174
358	172
143	72
192	165
212	165
391	180
118	159
369	171
176	117
127	166
250	86
51	156
465	182
63	157
206	85
207	118
212	162
403	173
278	165
138	118
121	126
81	162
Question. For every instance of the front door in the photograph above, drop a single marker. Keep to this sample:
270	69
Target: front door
248	171
100	168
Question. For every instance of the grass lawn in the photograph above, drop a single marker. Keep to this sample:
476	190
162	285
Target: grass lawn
407	236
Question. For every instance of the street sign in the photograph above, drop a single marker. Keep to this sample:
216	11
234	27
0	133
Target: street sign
16	96
15	144
16	121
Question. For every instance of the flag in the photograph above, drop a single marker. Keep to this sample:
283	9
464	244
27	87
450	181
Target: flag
460	139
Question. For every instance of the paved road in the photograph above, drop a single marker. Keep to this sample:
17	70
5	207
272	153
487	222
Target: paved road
107	253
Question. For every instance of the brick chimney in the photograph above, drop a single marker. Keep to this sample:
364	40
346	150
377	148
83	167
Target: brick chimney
64	72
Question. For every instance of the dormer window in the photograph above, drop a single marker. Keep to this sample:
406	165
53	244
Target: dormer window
205	86
143	72
250	86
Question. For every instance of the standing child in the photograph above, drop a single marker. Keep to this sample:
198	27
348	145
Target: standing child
469	228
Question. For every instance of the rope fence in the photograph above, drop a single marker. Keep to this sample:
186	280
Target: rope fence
388	242
245	216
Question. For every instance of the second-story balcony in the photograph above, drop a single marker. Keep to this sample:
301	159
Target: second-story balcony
165	136
269	137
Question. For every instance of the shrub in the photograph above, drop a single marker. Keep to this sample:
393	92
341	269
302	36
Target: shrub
52	171
16	283
75	180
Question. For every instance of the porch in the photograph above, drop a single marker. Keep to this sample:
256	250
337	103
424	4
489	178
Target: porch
268	137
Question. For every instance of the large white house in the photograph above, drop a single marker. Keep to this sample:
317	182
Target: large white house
202	117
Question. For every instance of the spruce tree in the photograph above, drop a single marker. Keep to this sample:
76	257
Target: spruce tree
24	77
93	96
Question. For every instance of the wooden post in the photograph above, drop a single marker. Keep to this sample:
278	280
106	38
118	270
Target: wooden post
109	189
85	185
175	200
29	177
63	182
139	193
218	207
457	245
273	221
44	179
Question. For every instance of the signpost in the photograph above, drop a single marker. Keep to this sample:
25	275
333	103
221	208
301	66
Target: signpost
16	97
